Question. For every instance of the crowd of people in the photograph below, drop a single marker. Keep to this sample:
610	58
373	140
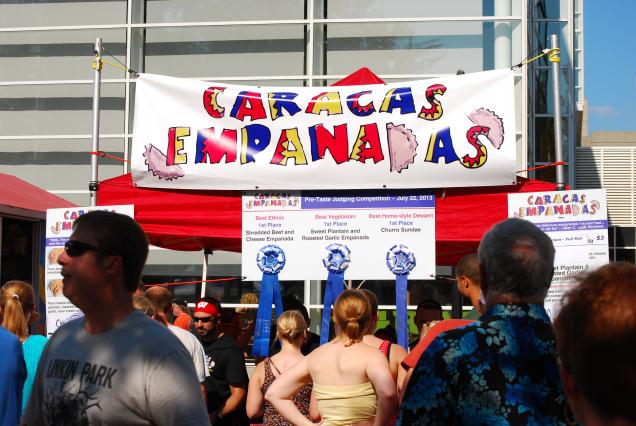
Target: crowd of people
126	361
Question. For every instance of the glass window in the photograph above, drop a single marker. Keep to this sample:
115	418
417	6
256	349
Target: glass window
221	51
544	139
61	177
58	55
548	9
20	13
541	40
625	236
403	48
153	11
543	93
408	8
625	255
65	109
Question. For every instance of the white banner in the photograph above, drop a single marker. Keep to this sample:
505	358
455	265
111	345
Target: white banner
59	227
576	221
303	225
444	132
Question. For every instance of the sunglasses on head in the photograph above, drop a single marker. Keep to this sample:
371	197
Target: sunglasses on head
77	248
203	320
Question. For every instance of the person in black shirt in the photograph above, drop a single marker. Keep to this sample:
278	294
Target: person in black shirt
226	386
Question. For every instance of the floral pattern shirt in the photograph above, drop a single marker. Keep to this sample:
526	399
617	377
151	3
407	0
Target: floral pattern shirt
501	370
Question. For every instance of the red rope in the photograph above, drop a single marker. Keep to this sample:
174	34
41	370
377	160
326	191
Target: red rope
191	282
103	154
545	166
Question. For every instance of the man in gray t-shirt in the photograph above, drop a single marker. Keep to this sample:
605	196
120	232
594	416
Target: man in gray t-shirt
114	366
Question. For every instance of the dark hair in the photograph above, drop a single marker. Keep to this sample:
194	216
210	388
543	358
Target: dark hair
429	304
290	303
373	300
119	234
596	339
468	266
517	259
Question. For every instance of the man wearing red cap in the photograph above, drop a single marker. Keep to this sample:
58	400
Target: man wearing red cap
226	386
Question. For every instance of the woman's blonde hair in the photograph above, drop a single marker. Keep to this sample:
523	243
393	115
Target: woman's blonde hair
290	326
143	304
17	301
352	315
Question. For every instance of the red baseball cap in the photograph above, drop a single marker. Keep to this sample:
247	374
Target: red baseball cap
207	308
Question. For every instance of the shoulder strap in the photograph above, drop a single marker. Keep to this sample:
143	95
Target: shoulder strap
385	348
271	362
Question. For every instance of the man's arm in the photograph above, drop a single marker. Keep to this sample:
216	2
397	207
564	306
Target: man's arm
237	394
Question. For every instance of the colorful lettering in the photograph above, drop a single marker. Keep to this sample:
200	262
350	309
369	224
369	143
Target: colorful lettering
255	138
279	101
175	145
289	139
248	104
400	97
482	153
367	145
441	145
325	101
353	103
322	140
213	148
435	110
210	101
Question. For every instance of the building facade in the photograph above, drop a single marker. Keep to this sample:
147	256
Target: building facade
46	49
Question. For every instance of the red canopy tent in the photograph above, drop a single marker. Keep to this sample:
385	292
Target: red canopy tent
198	220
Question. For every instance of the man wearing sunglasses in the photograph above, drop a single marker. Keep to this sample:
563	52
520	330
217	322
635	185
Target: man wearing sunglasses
226	386
114	365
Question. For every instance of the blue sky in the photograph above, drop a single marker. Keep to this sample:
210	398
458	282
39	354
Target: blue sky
609	29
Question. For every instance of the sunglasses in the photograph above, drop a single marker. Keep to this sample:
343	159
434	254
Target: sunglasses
203	320
76	248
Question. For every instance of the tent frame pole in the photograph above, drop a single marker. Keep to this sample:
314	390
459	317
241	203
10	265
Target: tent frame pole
204	275
556	99
97	81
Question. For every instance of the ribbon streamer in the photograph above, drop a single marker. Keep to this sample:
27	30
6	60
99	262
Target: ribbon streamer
400	261
270	260
337	261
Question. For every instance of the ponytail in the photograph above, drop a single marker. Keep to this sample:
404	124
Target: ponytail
17	301
352	315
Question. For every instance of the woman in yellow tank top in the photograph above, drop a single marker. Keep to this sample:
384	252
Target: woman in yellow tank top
353	384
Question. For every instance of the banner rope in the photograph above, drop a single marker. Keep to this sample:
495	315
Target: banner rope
545	166
103	154
553	57
99	60
216	280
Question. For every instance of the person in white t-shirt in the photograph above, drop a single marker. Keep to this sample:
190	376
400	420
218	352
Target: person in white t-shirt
161	299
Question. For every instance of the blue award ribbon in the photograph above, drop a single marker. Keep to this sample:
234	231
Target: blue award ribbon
400	261
337	261
270	260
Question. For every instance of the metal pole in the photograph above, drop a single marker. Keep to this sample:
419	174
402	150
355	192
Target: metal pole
204	276
97	81
556	99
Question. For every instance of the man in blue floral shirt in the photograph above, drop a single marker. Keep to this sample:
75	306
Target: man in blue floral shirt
501	370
